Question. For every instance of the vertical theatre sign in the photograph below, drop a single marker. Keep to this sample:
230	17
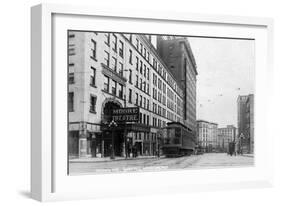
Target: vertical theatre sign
129	114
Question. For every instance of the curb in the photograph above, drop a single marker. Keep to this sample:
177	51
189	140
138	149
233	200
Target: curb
252	156
110	160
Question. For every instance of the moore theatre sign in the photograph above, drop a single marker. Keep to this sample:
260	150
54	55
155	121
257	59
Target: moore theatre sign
129	114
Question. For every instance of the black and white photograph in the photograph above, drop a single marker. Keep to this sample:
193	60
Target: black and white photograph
158	102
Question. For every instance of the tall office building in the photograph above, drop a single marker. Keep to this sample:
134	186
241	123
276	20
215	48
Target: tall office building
245	105
178	56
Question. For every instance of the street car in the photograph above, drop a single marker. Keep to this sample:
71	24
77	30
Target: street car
178	140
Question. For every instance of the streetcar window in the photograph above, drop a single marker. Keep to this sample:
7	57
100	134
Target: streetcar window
173	136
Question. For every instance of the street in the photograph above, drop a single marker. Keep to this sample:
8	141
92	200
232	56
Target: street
207	160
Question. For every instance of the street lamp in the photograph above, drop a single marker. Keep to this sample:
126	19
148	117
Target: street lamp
112	125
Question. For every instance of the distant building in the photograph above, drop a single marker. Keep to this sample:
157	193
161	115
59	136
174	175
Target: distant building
250	121
245	105
207	134
178	56
225	136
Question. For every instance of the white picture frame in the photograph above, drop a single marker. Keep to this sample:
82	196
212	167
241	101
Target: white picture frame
48	182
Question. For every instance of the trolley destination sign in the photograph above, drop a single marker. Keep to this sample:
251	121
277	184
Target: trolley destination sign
128	114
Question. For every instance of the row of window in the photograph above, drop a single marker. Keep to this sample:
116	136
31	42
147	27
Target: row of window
117	89
171	95
142	49
156	66
71	46
145	136
160	98
158	122
142	85
71	76
119	69
111	86
171	116
93	102
142	68
161	85
142	101
157	109
159	69
115	41
171	105
226	132
143	118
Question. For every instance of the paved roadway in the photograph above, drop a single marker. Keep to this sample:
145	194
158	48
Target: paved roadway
210	160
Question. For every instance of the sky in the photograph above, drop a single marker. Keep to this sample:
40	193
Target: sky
225	70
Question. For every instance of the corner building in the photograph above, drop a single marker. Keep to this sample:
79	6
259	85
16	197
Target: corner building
113	70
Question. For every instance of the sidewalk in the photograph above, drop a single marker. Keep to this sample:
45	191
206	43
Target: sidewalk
248	155
107	159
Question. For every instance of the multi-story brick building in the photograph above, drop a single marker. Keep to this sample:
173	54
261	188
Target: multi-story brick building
114	70
245	105
207	134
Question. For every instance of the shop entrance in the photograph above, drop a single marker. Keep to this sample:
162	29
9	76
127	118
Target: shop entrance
118	134
117	142
73	143
138	146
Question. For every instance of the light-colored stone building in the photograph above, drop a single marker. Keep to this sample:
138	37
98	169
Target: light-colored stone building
114	70
225	136
207	135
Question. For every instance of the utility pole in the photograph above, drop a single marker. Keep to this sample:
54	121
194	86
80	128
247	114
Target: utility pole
125	125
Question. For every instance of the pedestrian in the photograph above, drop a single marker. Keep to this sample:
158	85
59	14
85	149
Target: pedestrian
158	152
128	151
134	151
